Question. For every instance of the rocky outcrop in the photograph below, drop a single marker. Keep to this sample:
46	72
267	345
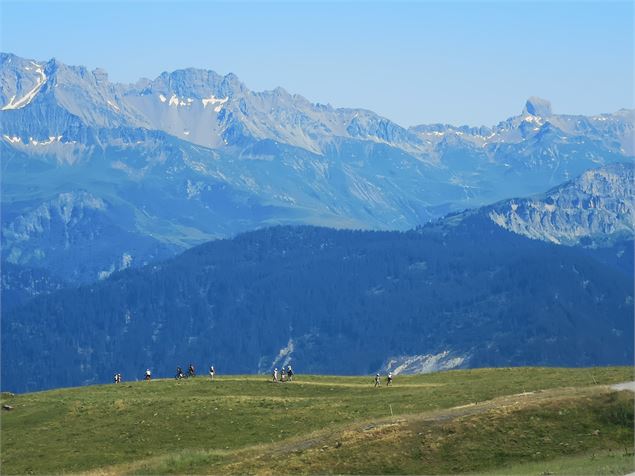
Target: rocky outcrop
593	209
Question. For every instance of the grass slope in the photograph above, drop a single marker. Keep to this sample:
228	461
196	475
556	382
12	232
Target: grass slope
451	422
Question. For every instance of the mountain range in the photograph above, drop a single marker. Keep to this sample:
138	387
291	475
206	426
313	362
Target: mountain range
188	218
99	176
492	286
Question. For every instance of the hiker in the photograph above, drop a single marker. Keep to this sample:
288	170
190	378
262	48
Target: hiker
148	375
377	381
190	371
389	379
116	378
290	373
179	373
275	375
212	372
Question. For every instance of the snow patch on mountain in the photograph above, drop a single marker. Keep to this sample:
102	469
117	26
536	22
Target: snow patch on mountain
113	105
32	141
214	100
12	139
28	97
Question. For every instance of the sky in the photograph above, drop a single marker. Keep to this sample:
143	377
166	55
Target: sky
414	62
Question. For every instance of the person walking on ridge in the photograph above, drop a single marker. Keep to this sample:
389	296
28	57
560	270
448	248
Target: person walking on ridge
290	373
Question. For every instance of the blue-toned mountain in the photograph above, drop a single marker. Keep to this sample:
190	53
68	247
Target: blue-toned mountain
592	210
144	170
486	287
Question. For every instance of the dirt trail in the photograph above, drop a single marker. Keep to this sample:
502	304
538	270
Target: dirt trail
326	436
363	385
504	403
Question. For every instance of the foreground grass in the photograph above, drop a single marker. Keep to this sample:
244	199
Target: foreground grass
477	438
246	424
609	462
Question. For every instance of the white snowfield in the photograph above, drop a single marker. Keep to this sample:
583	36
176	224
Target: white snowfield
113	105
214	100
28	97
12	139
32	141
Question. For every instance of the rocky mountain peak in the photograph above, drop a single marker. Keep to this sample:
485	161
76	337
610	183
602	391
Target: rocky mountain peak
537	107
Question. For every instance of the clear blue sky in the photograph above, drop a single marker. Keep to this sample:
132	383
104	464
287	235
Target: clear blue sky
418	62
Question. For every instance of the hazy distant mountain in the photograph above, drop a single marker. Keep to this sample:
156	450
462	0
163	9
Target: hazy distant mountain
132	173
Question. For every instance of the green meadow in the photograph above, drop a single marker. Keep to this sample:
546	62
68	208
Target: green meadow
485	421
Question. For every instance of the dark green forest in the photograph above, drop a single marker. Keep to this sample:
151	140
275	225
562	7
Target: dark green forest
340	302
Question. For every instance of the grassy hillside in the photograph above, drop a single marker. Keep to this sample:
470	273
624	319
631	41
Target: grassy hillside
474	421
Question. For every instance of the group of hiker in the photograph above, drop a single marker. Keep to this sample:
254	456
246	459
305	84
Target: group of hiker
191	372
388	380
284	375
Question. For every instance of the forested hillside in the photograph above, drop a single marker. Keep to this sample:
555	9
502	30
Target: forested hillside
462	293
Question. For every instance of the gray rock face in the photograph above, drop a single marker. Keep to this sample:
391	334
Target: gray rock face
20	80
205	108
193	155
538	107
593	209
423	364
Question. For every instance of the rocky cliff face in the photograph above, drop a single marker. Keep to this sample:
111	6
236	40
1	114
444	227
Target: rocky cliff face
193	155
593	209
